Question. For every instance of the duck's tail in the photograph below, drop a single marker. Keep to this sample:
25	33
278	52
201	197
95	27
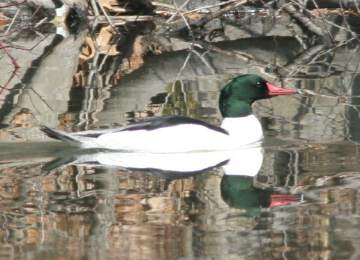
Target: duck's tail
62	136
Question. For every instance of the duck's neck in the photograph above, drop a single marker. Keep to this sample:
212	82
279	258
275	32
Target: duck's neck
235	108
242	126
244	129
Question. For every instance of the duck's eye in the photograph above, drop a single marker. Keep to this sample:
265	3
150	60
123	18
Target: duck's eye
258	84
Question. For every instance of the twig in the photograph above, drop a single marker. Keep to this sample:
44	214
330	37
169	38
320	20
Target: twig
35	12
237	54
163	13
303	58
346	22
13	4
208	17
178	11
305	21
210	6
323	19
178	25
41	98
108	18
163	5
95	8
311	56
186	22
121	20
40	22
12	21
344	13
12	59
340	99
23	48
5	86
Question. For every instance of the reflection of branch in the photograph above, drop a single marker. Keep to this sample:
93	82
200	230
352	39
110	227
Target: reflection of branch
295	65
183	67
206	63
14	63
41	98
237	54
12	59
311	56
23	48
5	86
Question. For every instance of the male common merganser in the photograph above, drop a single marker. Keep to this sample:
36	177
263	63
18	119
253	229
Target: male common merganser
178	134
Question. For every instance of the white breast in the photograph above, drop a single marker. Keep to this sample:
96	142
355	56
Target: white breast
243	130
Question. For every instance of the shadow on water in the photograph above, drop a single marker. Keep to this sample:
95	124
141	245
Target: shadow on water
293	197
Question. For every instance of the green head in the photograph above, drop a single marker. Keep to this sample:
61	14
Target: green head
238	95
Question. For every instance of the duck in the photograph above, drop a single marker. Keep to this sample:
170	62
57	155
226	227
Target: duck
239	168
179	134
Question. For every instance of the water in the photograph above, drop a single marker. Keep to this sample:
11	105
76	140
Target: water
55	208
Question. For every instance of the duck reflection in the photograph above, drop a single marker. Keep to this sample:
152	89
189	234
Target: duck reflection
246	161
237	185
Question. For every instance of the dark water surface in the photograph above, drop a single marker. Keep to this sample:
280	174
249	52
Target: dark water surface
87	211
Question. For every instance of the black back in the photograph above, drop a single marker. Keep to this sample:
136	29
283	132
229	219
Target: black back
168	121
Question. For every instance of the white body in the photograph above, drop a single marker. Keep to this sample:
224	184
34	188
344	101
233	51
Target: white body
181	138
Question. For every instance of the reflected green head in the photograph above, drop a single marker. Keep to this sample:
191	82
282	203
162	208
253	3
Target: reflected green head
239	192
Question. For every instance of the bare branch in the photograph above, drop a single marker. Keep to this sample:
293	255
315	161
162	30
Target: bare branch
13	4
